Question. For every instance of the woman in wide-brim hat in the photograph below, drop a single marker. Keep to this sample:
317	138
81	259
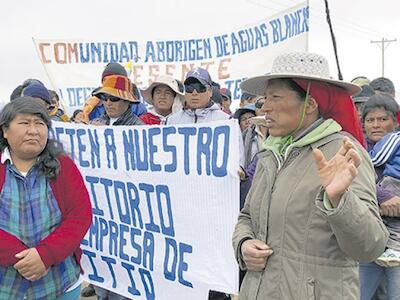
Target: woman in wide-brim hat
165	96
311	213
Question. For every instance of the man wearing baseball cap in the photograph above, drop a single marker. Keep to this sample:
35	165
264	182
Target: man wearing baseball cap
198	107
226	100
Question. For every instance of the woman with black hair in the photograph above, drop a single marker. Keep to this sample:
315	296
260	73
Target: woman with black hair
379	118
45	209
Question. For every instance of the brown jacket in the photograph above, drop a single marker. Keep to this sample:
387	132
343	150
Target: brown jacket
315	253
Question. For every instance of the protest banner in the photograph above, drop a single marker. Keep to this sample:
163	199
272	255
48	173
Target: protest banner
165	201
74	66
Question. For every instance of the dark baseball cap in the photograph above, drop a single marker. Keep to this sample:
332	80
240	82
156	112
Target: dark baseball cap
225	93
201	75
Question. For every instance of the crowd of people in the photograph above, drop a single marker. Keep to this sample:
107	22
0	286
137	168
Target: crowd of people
319	180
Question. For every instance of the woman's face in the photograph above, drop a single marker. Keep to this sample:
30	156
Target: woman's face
282	108
26	136
377	123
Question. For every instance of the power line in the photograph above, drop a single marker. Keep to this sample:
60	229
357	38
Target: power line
341	23
381	44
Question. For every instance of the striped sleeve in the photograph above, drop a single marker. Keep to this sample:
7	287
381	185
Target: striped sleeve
385	148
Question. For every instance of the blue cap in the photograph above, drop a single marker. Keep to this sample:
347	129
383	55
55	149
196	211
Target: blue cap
37	90
201	75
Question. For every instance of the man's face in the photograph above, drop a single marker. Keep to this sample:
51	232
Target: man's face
226	103
245	120
115	107
197	94
163	99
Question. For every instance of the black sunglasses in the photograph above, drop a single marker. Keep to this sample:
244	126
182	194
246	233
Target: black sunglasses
199	87
105	97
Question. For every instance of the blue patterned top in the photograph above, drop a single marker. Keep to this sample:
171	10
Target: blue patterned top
30	212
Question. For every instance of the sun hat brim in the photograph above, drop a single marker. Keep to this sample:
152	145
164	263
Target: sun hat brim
256	85
147	93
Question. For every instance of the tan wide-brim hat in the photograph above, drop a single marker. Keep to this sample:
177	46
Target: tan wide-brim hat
117	86
168	81
302	65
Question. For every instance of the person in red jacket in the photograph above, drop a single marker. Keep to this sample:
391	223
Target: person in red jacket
165	96
45	208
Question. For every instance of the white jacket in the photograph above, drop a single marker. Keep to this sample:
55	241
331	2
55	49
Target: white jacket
200	115
203	115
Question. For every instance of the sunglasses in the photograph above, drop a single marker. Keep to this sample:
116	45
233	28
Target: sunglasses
200	88
105	97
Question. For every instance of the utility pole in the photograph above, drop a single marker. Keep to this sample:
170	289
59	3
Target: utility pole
381	44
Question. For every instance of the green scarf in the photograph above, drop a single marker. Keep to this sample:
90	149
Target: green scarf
282	146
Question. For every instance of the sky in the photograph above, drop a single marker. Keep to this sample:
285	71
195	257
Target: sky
355	23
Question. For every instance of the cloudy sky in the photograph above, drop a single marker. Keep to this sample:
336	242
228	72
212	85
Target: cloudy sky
355	23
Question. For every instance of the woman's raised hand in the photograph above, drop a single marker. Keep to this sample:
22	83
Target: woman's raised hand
339	172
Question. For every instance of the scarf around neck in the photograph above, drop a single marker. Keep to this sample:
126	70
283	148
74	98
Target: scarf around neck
281	146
